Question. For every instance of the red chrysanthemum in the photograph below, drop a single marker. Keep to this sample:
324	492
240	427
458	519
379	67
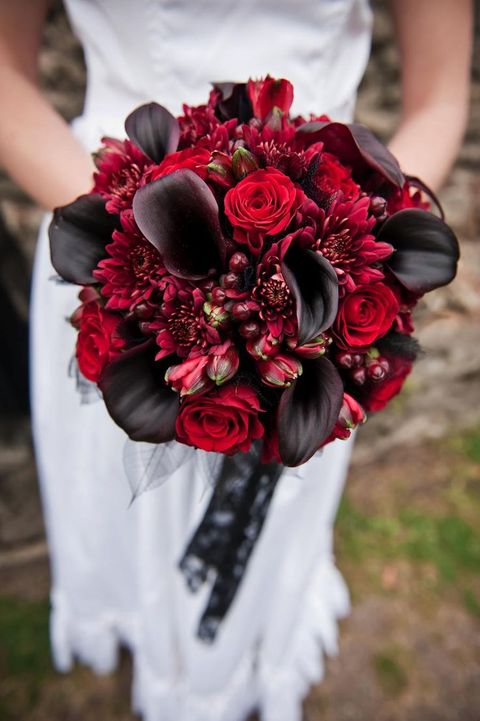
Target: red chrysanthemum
120	167
133	269
186	324
345	239
276	306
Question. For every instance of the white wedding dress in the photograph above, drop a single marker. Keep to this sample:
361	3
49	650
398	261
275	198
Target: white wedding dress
114	567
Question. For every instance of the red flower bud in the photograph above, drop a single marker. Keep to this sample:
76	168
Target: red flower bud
279	371
218	295
189	377
345	359
241	311
238	262
243	163
313	349
250	329
359	376
263	347
223	362
378	206
220	169
230	280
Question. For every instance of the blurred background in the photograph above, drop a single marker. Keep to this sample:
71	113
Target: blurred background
408	531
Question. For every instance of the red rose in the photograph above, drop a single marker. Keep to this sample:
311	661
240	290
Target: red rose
263	203
225	421
265	95
195	159
365	315
380	394
98	341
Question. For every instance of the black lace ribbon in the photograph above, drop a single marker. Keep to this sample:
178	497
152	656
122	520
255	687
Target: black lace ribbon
226	536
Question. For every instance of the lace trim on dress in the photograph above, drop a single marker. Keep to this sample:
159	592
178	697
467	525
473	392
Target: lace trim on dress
276	690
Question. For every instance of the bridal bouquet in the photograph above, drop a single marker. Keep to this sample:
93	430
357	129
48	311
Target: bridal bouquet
248	277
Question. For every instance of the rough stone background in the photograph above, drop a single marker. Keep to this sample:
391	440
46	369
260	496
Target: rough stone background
408	534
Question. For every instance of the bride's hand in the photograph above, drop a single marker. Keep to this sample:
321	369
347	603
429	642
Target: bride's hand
37	147
435	43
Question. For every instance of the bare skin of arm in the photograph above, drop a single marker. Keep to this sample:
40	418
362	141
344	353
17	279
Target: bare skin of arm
37	147
435	44
39	151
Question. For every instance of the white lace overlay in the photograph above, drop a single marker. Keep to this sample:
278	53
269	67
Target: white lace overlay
115	566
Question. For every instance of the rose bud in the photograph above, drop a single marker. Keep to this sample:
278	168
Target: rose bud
359	376
241	311
189	377
223	362
279	371
250	329
243	163
238	262
263	347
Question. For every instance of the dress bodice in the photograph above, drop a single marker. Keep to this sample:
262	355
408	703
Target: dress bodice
171	50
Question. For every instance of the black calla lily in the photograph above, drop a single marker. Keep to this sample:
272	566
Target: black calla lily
354	145
154	130
78	235
308	411
178	214
426	249
137	397
314	285
233	102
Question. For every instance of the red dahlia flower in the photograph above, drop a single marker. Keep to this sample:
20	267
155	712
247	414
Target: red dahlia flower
120	167
133	269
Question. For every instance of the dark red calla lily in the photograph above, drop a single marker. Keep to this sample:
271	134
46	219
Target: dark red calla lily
426	249
356	146
233	102
154	130
313	283
78	235
136	396
178	214
308	411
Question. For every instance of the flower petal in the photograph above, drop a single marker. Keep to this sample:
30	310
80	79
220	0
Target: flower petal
78	235
137	397
308	411
178	214
426	249
154	130
354	145
314	285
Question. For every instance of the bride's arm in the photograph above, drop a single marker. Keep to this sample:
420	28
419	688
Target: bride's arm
435	43
37	148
